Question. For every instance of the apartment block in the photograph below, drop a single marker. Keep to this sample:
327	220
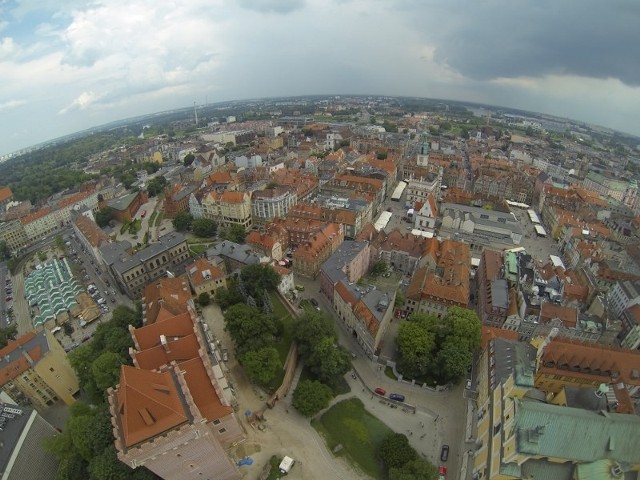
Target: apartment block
310	255
34	371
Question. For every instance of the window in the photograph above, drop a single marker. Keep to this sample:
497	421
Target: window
51	369
216	422
222	430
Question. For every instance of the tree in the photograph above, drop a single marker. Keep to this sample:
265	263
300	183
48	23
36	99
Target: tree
311	396
225	297
188	159
204	299
399	301
259	277
182	221
440	348
263	365
5	252
106	370
234	233
379	268
416	469
328	360
381	156
395	451
156	185
309	328
249	328
204	227
8	333
415	345
104	216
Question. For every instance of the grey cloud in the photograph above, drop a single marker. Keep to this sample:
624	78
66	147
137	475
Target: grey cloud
503	38
272	6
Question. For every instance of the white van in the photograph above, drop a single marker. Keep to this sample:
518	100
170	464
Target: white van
286	465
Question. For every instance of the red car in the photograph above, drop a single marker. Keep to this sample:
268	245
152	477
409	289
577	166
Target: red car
144	214
380	391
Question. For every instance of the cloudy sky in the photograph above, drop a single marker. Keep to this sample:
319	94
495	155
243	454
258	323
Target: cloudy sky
70	65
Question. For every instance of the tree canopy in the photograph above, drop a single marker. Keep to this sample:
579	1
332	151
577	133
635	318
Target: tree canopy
156	185
182	221
234	233
204	227
104	216
8	333
262	365
401	460
311	396
249	328
318	345
438	348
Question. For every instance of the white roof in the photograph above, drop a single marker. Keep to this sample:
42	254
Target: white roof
556	261
382	221
286	463
475	262
420	233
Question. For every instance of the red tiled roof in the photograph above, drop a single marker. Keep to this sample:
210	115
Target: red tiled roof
567	315
35	216
148	404
5	194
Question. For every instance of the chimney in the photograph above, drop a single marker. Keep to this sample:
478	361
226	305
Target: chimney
164	343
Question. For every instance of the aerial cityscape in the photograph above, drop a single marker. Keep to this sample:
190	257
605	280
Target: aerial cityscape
214	269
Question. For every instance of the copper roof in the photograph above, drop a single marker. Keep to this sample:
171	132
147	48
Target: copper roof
148	404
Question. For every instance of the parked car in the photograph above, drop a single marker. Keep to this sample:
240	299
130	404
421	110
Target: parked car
225	355
300	288
396	396
380	391
442	472
314	302
444	453
468	386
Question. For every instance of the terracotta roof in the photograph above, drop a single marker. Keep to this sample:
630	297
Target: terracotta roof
21	364
567	315
317	242
590	361
346	294
148	336
148	404
5	194
633	312
90	230
177	349
202	391
233	197
75	198
35	216
219	176
452	282
489	333
165	297
202	271
365	315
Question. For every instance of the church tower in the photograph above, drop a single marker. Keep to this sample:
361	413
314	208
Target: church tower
423	151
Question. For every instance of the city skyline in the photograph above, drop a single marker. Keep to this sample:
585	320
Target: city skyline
72	67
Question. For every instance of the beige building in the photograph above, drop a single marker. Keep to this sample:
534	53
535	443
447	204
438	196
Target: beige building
14	235
205	277
228	208
35	371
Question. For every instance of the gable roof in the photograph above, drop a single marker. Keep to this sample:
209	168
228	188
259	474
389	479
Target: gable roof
148	404
165	296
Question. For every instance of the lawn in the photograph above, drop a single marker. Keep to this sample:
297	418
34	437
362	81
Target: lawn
349	424
152	218
159	219
196	250
388	371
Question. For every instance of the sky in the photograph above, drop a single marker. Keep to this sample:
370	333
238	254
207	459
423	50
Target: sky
70	65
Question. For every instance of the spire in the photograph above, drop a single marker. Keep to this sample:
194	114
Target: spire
424	145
